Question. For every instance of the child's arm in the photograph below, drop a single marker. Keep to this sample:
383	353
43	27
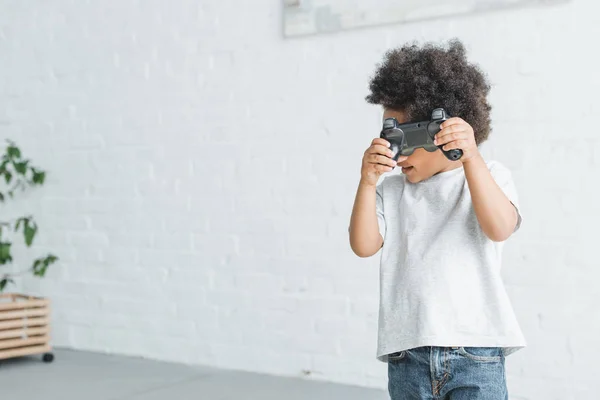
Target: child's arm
366	236
496	214
365	239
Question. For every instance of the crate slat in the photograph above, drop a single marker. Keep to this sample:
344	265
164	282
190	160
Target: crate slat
24	323
12	343
24	332
18	305
34	312
15	296
24	351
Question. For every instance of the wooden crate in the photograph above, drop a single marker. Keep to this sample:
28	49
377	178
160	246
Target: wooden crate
24	326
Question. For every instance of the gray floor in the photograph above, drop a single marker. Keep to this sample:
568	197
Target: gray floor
91	376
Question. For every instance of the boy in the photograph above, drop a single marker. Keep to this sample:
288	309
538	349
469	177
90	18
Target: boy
445	320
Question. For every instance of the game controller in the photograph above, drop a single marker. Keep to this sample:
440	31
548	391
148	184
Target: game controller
405	138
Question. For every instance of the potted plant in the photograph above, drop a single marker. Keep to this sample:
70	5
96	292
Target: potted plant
24	320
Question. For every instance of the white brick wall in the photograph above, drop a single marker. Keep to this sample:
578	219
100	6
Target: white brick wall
203	171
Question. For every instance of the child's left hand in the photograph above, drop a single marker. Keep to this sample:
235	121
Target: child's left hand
457	134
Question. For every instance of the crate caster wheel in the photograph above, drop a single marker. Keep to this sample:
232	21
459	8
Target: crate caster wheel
48	357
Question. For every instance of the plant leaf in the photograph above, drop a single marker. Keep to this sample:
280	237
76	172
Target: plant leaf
40	266
19	221
4	282
13	151
5	256
36	265
7	177
21	167
38	176
29	232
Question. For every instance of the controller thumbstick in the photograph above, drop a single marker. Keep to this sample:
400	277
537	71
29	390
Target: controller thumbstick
455	154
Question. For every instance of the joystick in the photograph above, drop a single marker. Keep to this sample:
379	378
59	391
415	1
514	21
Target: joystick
405	138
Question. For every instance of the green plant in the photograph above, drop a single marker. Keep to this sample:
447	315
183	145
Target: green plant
19	174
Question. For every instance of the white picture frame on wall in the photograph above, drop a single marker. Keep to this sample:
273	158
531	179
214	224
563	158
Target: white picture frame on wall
307	17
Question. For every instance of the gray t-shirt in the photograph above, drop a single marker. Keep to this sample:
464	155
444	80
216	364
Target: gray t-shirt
440	282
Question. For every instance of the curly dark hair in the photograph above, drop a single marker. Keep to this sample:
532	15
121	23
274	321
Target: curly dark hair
418	79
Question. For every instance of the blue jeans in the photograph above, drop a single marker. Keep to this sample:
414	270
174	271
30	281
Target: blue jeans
447	373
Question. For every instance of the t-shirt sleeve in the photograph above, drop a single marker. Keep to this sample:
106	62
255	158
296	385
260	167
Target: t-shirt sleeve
503	178
379	209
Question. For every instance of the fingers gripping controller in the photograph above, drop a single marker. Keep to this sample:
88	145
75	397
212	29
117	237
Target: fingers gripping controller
405	138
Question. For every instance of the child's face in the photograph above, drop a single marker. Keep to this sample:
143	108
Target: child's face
421	164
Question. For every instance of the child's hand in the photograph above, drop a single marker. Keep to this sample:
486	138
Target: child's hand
376	161
457	134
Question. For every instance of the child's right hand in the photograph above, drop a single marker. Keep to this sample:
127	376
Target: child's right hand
376	161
